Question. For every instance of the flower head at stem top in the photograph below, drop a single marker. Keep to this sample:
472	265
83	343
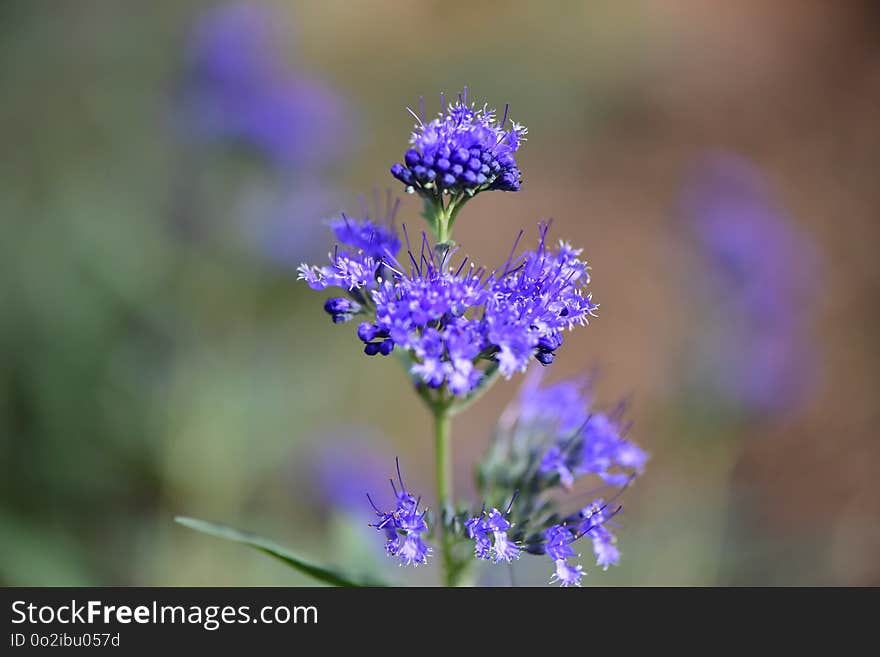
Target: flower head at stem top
463	151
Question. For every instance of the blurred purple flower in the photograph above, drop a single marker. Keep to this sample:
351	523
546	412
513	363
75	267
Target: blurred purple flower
343	467
238	87
759	276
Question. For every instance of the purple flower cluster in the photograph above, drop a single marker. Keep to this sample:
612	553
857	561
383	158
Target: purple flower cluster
457	325
449	319
490	531
466	149
545	440
558	539
363	245
581	441
597	447
403	527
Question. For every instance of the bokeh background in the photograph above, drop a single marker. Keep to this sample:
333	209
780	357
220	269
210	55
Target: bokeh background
166	166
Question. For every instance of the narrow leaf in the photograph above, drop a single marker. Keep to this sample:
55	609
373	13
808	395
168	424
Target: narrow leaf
273	549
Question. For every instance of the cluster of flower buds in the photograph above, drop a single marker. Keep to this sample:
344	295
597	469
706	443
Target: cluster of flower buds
464	150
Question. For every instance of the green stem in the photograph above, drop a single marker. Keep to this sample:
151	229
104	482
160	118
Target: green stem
443	464
443	226
442	217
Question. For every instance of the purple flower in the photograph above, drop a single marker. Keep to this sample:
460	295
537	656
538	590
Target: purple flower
403	527
450	318
465	150
356	260
238	88
558	547
595	524
547	438
478	530
557	542
534	298
758	281
375	239
561	407
574	441
566	574
489	531
600	448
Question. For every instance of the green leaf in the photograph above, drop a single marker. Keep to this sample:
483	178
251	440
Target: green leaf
273	549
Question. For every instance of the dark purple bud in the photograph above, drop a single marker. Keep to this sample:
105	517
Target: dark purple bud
486	157
367	332
443	164
412	157
397	170
430	174
428	160
457	169
340	309
509	180
474	164
419	170
335	305
481	179
461	156
386	347
448	179
475	151
470	177
544	357
550	342
372	348
506	160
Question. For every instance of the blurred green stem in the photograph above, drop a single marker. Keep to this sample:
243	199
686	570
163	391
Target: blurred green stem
443	465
